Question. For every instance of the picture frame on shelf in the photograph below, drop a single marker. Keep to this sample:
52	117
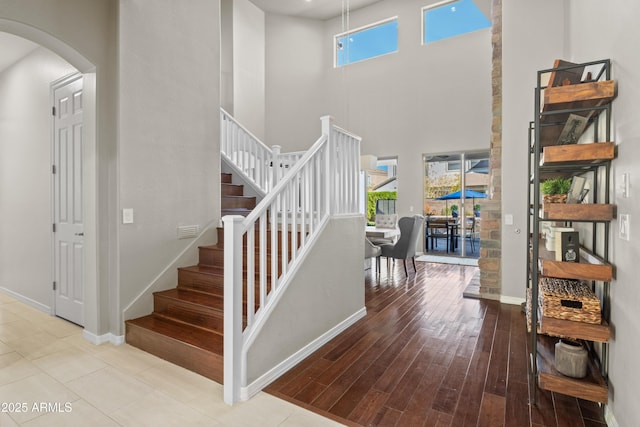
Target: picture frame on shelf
573	129
577	191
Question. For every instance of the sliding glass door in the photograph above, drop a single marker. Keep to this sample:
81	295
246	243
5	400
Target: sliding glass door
455	184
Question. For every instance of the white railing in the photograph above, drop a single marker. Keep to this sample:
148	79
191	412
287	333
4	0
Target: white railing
278	234
251	157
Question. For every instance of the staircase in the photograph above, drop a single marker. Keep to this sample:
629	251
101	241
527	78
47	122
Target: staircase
185	327
234	202
260	251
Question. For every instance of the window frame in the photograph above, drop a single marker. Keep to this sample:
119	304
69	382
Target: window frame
436	6
336	37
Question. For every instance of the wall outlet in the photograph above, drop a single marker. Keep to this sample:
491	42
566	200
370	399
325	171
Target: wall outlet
623	226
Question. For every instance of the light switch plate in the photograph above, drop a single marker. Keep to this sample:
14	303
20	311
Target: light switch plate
625	185
508	219
623	226
127	216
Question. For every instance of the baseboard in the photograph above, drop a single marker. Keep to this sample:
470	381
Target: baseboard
28	301
255	387
609	418
511	300
102	339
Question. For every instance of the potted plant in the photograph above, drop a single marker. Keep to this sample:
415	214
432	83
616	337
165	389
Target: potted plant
454	211
555	189
476	210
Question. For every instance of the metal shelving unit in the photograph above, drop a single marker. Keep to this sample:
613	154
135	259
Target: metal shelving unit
586	90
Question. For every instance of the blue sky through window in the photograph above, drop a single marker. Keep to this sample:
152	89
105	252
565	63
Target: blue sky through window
367	43
452	19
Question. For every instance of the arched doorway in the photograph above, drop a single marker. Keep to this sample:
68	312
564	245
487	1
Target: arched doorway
91	307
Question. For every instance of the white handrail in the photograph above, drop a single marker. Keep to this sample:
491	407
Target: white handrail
281	229
260	165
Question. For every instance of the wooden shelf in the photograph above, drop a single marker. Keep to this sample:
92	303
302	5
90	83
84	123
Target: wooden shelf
578	330
567	328
578	212
593	387
590	267
591	95
577	154
581	95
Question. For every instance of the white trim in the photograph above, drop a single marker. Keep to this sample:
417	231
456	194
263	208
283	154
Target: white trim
32	303
609	418
255	387
102	339
511	300
366	27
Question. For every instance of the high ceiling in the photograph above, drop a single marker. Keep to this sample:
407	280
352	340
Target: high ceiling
13	48
316	9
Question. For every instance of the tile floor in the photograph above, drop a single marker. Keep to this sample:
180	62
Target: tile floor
44	361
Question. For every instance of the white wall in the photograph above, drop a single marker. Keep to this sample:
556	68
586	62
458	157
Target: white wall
249	66
25	175
598	31
169	131
522	56
422	99
311	302
295	73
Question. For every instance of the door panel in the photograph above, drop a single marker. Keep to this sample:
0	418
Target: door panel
68	215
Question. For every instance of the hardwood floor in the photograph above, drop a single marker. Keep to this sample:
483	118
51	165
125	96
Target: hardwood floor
425	356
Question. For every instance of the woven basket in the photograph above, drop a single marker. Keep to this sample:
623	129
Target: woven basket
528	313
555	198
568	300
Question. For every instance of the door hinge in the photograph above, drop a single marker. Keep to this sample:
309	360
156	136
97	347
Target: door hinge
53	110
53	169
54	286
54	228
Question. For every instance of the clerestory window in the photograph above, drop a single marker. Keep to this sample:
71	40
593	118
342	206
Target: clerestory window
451	18
366	42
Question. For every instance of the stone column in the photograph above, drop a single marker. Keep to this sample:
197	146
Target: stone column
491	229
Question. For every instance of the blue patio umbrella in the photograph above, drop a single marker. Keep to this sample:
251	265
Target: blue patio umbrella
468	194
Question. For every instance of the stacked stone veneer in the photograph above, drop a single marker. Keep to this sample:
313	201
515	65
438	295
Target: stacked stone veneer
491	230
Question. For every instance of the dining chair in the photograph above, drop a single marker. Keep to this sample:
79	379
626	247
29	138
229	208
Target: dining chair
405	247
384	221
372	251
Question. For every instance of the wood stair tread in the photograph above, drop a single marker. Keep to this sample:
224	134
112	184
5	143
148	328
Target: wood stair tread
235	211
204	269
178	331
196	297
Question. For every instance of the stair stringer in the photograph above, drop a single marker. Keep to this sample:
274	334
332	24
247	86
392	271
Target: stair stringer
323	297
142	304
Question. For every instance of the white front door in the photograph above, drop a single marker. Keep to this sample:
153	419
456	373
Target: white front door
67	200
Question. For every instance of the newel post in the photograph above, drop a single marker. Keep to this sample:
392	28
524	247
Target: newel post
276	170
232	307
330	171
